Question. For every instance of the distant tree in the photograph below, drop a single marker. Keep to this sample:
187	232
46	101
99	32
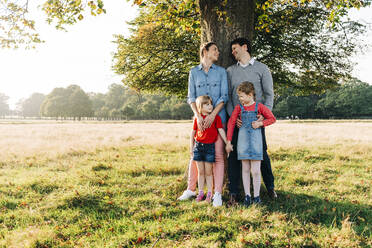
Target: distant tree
55	103
4	107
69	102
98	102
79	103
150	109
175	108
116	96
165	110
181	110
301	106
128	112
115	113
30	107
103	112
351	99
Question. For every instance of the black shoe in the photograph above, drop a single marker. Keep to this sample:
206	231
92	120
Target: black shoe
233	201
272	194
256	200
247	201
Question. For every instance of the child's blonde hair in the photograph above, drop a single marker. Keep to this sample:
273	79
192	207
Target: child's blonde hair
201	100
247	88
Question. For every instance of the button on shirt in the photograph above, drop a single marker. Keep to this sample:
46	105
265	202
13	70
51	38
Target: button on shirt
214	84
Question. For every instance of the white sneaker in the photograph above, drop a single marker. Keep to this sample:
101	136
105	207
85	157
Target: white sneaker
187	194
217	200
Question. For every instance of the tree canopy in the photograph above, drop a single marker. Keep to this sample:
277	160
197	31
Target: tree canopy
306	43
18	28
302	47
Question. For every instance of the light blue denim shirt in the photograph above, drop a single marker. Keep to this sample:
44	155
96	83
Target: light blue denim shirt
214	84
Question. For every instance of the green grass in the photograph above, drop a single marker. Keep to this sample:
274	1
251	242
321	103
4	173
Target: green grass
126	197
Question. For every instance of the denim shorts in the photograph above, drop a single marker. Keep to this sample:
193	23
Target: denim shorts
204	152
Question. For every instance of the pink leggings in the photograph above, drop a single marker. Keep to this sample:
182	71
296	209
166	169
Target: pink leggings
218	168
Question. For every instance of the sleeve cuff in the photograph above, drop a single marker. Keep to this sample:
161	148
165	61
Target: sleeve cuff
191	100
221	99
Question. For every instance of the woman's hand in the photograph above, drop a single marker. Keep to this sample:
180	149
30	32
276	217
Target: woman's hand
200	122
191	151
209	120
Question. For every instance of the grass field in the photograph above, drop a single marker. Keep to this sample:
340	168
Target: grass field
115	185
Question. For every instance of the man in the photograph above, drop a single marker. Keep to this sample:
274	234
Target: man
208	79
248	69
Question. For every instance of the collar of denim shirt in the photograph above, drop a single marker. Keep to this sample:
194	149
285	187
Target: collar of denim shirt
200	66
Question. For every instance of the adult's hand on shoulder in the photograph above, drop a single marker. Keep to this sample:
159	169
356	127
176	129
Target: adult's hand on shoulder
200	122
209	120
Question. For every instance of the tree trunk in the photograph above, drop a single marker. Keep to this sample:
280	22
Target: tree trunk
241	24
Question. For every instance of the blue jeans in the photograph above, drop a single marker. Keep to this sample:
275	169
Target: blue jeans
204	152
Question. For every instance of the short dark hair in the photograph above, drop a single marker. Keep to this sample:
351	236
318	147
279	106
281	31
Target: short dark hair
241	42
206	46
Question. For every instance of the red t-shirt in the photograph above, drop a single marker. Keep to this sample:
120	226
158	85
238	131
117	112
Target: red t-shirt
209	135
261	109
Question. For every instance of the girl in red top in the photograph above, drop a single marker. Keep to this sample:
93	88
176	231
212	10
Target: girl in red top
202	146
249	147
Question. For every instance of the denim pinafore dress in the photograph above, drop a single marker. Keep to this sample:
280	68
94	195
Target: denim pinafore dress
249	139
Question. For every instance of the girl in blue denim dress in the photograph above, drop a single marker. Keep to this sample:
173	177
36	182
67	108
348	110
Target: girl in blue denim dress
249	146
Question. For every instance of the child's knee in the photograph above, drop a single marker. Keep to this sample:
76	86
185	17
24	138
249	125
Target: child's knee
208	173
245	170
255	171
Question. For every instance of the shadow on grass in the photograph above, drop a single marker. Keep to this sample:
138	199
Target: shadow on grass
156	172
316	210
43	188
93	206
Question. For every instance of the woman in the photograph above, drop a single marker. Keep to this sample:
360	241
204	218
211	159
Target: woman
208	79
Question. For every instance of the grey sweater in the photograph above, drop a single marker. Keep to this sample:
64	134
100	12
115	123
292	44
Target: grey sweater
259	75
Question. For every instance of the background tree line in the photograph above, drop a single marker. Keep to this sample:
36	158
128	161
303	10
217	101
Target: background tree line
119	102
352	99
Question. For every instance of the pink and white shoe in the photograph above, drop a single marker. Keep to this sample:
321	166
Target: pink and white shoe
209	197
200	196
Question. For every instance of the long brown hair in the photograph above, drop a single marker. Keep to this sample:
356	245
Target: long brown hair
206	46
201	100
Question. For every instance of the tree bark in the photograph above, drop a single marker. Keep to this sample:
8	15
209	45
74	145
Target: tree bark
221	31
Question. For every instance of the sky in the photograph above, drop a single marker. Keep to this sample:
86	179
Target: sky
83	55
